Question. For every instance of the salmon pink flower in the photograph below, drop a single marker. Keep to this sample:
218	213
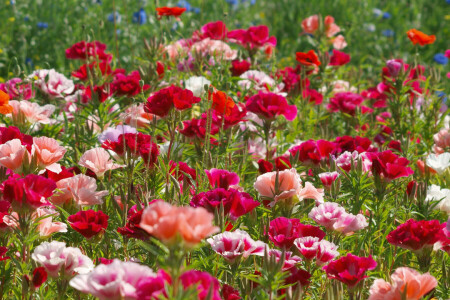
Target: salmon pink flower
309	58
203	282
136	116
311	24
442	141
236	244
405	283
331	28
269	106
339	42
98	161
81	188
415	235
350	269
48	152
46	226
89	223
418	37
13	154
26	111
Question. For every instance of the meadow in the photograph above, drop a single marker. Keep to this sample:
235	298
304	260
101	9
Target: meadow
231	149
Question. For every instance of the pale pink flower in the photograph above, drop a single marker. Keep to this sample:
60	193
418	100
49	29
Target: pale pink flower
135	116
48	152
311	248
326	214
81	188
326	252
339	86
348	223
46	226
216	48
330	27
115	281
12	155
59	260
346	159
290	260
98	161
236	244
310	192
31	112
311	24
441	140
339	42
176	49
52	83
406	283
260	81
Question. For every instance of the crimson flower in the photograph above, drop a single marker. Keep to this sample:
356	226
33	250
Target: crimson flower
132	229
313	152
221	178
389	165
230	293
239	67
339	58
127	85
283	231
214	30
415	235
39	277
253	37
89	223
206	284
3	251
270	105
161	102
12	132
350	269
346	102
85	50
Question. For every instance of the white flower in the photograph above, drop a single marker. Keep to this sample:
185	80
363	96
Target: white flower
439	163
196	84
260	81
435	193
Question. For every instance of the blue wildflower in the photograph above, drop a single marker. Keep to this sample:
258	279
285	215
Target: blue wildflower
26	18
140	17
441	59
188	6
386	15
388	33
29	62
12	2
42	25
117	18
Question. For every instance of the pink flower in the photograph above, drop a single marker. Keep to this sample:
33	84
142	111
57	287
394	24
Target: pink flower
339	42
328	178
441	141
17	89
330	27
214	30
283	231
203	282
260	81
236	244
48	152
115	281
350	269
12	155
290	260
310	192
289	185
405	283
218	49
31	112
81	188
169	223
98	161
311	247
348	223
253	37
136	116
269	106
327	214
52	83
221	178
151	288
311	24
46	226
59	260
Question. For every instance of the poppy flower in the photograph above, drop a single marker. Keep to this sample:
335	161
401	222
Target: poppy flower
308	59
170	11
5	107
222	103
418	37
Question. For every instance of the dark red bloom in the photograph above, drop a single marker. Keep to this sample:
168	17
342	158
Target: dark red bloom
83	50
161	102
297	276
264	166
39	277
350	269
415	235
395	145
235	203
83	74
170	11
89	223
339	58
100	93
389	165
270	105
3	251
160	70
312	96
282	163
283	231
309	58
350	144
253	37
127	85
214	30
196	128
230	293
346	102
132	228
239	67
28	193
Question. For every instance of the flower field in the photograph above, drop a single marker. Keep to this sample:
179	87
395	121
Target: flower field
233	149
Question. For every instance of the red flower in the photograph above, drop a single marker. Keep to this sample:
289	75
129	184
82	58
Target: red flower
83	50
39	277
65	173
339	58
235	203
161	102
313	152
312	96
196	128
127	85
101	93
389	165
239	67
160	70
282	163
350	144
4	211
82	72
418	37
264	166
222	103
230	293
170	11
415	235
221	178
3	251
28	193
309	58
132	228
270	105
297	276
253	37
345	102
283	231
89	223
214	30
350	269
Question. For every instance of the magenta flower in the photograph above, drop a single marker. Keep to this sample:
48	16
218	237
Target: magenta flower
204	283
283	231
350	269
345	102
328	178
290	260
221	178
415	235
269	106
311	247
236	244
349	223
151	288
253	37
